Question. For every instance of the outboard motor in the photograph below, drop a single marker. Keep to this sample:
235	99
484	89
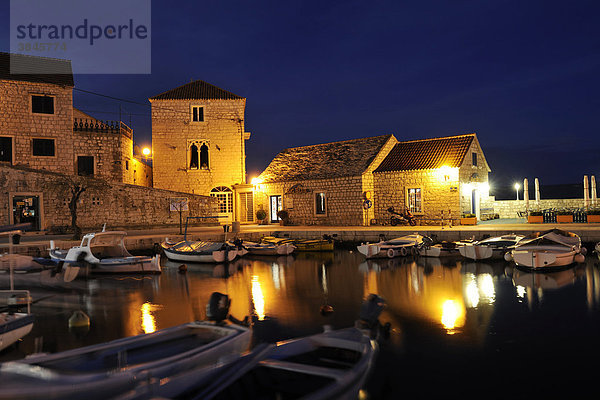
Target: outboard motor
217	307
370	310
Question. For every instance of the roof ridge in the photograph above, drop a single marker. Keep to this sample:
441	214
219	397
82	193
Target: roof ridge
336	142
438	138
200	81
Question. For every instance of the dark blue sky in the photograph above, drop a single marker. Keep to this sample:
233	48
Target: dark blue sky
523	75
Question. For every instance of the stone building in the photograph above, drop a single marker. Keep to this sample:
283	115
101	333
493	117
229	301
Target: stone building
354	182
323	184
198	140
43	138
434	178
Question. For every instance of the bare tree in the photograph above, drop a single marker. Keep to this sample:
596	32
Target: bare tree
72	188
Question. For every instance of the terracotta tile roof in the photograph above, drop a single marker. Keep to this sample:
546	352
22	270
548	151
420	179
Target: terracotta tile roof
196	90
324	161
427	154
36	69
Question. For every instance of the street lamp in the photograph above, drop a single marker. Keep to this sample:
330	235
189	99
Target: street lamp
517	187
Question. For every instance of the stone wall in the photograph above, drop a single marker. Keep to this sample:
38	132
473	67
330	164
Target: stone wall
116	204
19	122
368	187
344	200
510	208
474	177
222	131
437	194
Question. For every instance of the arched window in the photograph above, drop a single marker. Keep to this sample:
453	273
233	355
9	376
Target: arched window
204	156
225	197
193	156
198	154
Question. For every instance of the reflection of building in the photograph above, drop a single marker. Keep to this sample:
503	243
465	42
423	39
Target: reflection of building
198	140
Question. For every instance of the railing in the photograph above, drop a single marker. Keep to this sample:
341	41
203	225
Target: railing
579	215
94	125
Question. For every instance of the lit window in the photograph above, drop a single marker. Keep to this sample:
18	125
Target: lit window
224	196
414	200
197	114
320	204
42	104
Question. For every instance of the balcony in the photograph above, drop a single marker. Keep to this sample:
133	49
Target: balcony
93	125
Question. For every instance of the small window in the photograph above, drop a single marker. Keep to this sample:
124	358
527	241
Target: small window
224	196
197	113
43	147
320	204
474	159
42	104
127	165
85	165
6	149
193	156
414	200
204	156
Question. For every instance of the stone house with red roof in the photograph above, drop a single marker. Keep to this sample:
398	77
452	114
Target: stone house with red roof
354	182
435	179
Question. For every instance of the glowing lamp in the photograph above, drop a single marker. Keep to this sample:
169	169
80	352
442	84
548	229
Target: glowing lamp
146	151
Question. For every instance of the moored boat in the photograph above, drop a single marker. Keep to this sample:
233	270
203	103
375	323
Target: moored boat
443	249
330	365
552	248
324	244
111	369
493	247
14	325
199	251
401	246
269	249
105	252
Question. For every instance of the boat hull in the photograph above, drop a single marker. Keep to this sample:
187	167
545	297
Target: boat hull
14	328
114	368
539	259
212	257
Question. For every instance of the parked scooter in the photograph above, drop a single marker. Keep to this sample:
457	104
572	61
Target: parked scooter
402	218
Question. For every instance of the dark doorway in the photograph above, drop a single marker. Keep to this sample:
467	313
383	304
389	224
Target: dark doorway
27	209
85	165
6	149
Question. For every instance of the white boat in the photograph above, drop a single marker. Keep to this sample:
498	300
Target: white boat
493	247
15	325
199	251
443	249
105	252
401	246
114	368
19	263
552	248
269	249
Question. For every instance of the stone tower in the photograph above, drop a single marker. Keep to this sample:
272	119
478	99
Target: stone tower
198	141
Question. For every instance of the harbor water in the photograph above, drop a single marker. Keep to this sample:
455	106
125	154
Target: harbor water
458	328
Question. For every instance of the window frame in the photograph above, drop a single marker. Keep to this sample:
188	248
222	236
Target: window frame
474	159
325	208
197	106
199	143
12	149
218	193
32	95
43	155
93	165
408	200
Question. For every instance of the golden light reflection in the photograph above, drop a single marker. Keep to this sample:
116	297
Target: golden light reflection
148	320
471	291
486	286
453	315
521	291
258	298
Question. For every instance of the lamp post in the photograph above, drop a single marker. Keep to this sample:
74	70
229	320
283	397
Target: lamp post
146	152
517	187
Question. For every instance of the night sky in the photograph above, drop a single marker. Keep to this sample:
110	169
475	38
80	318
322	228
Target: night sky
525	76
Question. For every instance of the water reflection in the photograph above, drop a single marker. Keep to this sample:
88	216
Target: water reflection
450	299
